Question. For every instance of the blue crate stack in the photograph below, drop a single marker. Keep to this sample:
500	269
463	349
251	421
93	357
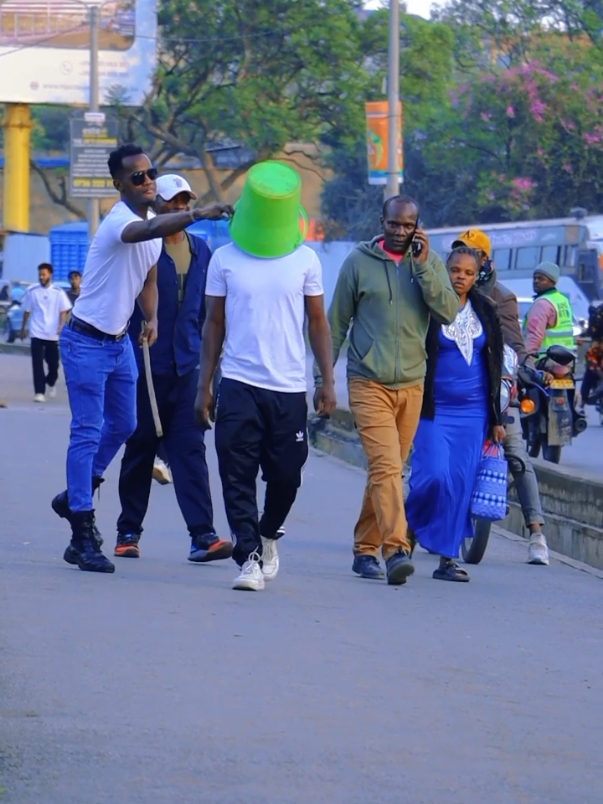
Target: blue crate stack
68	248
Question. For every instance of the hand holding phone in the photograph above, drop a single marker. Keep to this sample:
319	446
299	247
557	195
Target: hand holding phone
419	244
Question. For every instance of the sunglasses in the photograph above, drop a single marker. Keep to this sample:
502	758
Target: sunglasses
138	178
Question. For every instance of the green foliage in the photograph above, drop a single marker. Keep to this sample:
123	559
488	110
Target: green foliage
261	74
503	115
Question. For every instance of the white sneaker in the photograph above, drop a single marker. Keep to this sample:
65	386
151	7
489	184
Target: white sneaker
161	472
251	578
270	559
52	391
39	398
538	552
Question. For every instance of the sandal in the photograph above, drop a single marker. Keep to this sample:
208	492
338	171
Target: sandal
451	572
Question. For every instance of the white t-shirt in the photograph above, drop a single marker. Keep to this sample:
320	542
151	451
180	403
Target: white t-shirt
115	273
265	311
45	305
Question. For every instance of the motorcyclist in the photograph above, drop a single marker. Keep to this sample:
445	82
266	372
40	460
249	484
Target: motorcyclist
549	321
526	483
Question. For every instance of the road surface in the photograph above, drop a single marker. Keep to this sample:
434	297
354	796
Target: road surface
160	684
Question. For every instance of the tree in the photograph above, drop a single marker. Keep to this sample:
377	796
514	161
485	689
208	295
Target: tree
262	75
349	204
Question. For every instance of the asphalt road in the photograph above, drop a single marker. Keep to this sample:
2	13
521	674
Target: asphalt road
162	684
584	454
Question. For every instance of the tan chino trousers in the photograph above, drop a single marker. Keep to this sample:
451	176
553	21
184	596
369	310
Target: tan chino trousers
387	422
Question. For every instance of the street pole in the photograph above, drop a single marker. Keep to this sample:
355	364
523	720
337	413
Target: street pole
393	96
93	203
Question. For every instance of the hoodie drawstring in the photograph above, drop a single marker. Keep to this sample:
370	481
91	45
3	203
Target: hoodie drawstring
389	284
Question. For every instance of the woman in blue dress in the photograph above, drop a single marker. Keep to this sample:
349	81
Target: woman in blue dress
461	409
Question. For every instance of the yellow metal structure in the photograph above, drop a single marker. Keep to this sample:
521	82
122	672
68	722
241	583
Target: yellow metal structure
17	138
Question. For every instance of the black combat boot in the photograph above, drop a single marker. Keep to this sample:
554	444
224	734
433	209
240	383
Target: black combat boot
60	505
84	550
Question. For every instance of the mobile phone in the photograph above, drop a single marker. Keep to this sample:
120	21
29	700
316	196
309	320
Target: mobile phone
415	246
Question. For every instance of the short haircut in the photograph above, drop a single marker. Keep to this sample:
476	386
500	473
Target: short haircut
46	265
116	158
400	200
466	250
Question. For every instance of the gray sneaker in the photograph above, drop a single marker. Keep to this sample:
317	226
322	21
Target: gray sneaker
538	552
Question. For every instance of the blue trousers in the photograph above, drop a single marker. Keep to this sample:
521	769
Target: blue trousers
101	385
184	448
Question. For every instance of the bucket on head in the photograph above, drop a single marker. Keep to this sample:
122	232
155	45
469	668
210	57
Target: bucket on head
268	216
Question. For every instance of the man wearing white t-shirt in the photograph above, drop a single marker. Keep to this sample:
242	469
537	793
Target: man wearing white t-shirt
45	309
255	310
98	358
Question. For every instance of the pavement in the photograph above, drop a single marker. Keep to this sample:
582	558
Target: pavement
161	684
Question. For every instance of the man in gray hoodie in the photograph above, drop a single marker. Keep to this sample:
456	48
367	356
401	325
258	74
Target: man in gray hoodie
386	291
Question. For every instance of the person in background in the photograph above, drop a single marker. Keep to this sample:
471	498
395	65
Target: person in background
75	280
461	409
385	297
549	321
97	354
45	310
592	383
526	482
181	277
260	289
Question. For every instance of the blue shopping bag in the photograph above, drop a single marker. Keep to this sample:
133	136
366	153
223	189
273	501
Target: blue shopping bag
489	497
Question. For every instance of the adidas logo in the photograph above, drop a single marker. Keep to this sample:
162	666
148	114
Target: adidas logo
299	437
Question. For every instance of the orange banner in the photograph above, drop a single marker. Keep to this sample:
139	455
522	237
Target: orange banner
377	141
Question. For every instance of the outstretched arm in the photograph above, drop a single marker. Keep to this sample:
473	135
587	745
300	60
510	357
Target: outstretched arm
172	222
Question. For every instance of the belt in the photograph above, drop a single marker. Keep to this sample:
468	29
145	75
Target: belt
87	329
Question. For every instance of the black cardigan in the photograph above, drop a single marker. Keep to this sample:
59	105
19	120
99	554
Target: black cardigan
492	355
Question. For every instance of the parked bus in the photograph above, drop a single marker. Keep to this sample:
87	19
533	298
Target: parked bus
575	244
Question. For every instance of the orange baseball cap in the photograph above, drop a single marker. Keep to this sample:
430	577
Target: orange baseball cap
475	238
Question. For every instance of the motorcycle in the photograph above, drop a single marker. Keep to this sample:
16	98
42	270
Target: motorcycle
474	548
549	418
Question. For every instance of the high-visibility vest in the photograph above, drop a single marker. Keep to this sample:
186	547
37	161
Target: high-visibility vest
562	334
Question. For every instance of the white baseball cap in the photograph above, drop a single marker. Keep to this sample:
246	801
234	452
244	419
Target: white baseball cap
170	186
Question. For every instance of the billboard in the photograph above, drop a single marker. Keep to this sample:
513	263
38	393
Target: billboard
45	50
377	141
93	137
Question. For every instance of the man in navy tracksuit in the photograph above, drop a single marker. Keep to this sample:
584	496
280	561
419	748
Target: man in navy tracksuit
181	276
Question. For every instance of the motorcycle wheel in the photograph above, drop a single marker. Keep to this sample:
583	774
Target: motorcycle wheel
473	550
551	454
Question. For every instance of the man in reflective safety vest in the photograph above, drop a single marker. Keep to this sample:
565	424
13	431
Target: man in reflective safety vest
549	321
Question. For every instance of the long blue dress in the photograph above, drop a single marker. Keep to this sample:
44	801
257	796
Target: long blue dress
448	449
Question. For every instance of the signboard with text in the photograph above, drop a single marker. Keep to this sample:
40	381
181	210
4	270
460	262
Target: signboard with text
92	140
45	50
377	141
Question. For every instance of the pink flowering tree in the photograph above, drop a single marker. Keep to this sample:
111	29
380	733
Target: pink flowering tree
535	133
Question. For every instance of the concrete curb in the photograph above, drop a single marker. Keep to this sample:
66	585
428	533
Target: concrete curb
14	348
572	504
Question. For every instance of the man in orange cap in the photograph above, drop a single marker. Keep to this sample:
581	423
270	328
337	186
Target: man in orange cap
507	308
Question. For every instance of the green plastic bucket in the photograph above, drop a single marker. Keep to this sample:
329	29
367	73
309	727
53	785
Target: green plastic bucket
269	220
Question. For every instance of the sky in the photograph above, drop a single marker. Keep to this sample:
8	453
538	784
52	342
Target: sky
420	7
